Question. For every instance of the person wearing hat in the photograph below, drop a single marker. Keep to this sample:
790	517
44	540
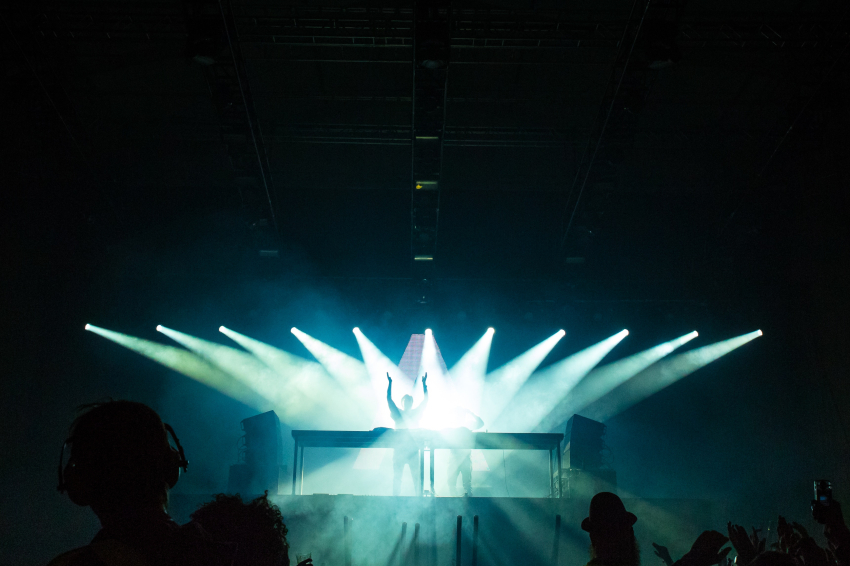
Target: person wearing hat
612	538
613	542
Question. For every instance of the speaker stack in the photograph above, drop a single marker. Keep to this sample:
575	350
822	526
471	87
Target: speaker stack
585	471
260	456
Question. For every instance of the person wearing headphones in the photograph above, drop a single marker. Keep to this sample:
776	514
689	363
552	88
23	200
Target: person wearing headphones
122	465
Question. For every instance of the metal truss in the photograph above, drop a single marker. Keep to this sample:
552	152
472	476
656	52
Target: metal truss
468	136
393	27
215	37
431	61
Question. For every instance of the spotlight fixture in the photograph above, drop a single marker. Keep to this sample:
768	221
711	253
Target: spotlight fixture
293	330
356	330
221	329
159	328
428	331
87	326
491	330
761	333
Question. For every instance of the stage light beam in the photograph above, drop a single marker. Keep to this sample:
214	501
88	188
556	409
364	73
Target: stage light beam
469	372
349	372
658	376
333	406
546	388
502	384
294	407
441	390
188	364
602	380
377	367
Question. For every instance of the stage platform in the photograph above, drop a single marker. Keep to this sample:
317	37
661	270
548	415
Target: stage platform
512	531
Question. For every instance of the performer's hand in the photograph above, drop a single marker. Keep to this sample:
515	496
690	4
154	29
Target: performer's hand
389	378
424	378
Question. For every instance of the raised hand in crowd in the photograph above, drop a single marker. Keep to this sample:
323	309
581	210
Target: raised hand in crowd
788	538
664	554
834	529
706	550
746	547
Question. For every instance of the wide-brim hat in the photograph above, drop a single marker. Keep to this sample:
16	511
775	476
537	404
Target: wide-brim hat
607	514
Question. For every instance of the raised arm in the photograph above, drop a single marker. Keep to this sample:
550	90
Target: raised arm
424	402
394	412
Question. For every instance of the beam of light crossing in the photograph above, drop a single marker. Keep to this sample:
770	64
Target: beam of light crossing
502	384
441	391
660	375
309	379
349	372
294	407
469	372
377	366
188	364
546	388
602	380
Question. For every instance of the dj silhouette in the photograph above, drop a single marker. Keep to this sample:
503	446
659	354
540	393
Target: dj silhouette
406	453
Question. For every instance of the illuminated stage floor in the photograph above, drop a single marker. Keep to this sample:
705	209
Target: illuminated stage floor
512	531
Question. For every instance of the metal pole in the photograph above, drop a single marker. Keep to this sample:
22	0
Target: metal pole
431	460
459	528
475	540
295	467
551	476
560	479
401	560
416	544
302	472
556	544
264	172
346	522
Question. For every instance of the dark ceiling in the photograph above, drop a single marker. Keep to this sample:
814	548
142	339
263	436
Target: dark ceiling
564	150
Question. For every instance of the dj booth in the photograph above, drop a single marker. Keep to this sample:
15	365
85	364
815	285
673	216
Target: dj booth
425	441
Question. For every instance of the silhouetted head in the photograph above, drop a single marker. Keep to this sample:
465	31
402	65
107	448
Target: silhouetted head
257	528
120	458
612	537
407	402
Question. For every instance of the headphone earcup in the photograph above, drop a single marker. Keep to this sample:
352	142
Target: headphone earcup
172	469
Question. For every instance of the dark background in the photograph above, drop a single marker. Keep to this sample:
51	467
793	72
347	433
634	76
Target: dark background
125	205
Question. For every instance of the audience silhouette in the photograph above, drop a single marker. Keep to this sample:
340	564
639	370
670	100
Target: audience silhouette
256	528
122	466
612	538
